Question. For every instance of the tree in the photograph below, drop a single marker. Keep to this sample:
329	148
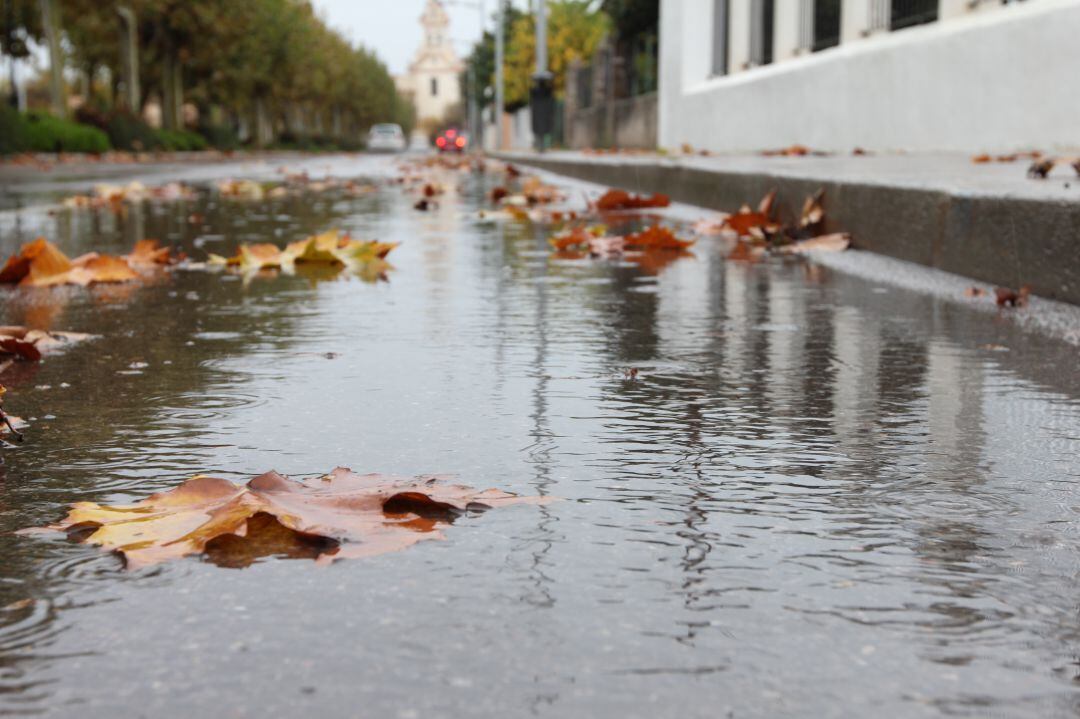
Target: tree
482	57
575	30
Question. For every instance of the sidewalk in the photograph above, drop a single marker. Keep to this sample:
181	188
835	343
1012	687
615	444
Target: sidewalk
985	221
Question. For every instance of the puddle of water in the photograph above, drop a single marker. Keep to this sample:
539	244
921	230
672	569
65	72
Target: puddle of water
814	499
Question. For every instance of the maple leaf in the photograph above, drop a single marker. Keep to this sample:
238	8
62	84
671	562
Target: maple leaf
329	248
338	515
747	222
656	238
149	253
623	200
41	264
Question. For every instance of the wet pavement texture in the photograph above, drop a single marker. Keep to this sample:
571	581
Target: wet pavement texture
823	495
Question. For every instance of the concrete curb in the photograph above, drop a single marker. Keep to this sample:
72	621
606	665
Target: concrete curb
999	239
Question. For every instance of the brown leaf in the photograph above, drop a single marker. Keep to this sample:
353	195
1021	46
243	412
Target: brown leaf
149	253
338	515
656	238
836	242
1006	297
41	264
1041	168
623	200
813	212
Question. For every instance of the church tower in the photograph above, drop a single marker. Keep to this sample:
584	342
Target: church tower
433	76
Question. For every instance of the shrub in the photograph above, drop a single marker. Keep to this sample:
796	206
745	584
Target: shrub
12	131
179	140
46	133
128	131
223	137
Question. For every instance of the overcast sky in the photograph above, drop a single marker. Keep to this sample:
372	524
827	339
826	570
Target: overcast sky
392	27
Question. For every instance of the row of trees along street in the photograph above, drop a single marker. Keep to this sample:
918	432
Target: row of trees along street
221	72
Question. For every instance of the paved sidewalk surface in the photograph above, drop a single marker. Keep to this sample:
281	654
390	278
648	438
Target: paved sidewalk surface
988	221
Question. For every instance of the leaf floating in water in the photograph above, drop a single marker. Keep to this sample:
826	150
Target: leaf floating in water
336	516
330	249
835	242
623	200
41	264
28	344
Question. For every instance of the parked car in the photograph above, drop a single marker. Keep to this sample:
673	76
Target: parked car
452	140
386	137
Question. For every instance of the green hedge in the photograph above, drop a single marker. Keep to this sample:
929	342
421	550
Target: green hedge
52	134
180	140
12	131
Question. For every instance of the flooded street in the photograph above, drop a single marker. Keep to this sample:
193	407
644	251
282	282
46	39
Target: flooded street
821	496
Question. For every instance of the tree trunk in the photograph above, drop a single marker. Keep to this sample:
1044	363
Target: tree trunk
50	20
129	59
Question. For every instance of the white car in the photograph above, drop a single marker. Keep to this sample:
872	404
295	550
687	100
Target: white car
386	137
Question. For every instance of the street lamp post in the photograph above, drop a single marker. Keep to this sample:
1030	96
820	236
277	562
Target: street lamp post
541	95
499	52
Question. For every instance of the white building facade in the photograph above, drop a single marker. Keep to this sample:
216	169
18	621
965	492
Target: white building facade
882	75
433	77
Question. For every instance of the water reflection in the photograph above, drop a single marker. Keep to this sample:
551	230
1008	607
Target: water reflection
817	493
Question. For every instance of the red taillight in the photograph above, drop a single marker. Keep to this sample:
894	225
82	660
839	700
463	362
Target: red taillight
441	142
451	133
460	142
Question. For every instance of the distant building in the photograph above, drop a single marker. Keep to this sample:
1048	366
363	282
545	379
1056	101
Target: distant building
432	79
918	75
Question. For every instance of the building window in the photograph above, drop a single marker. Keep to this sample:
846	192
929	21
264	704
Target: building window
434	86
761	32
905	13
826	24
721	13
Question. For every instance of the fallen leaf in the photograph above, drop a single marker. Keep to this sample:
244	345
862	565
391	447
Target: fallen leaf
1041	168
812	216
622	200
711	226
974	292
41	264
576	237
497	193
329	248
835	242
607	247
656	238
241	189
791	151
538	193
1006	297
338	515
149	253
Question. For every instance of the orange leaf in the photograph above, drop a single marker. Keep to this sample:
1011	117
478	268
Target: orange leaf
623	200
341	514
656	238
